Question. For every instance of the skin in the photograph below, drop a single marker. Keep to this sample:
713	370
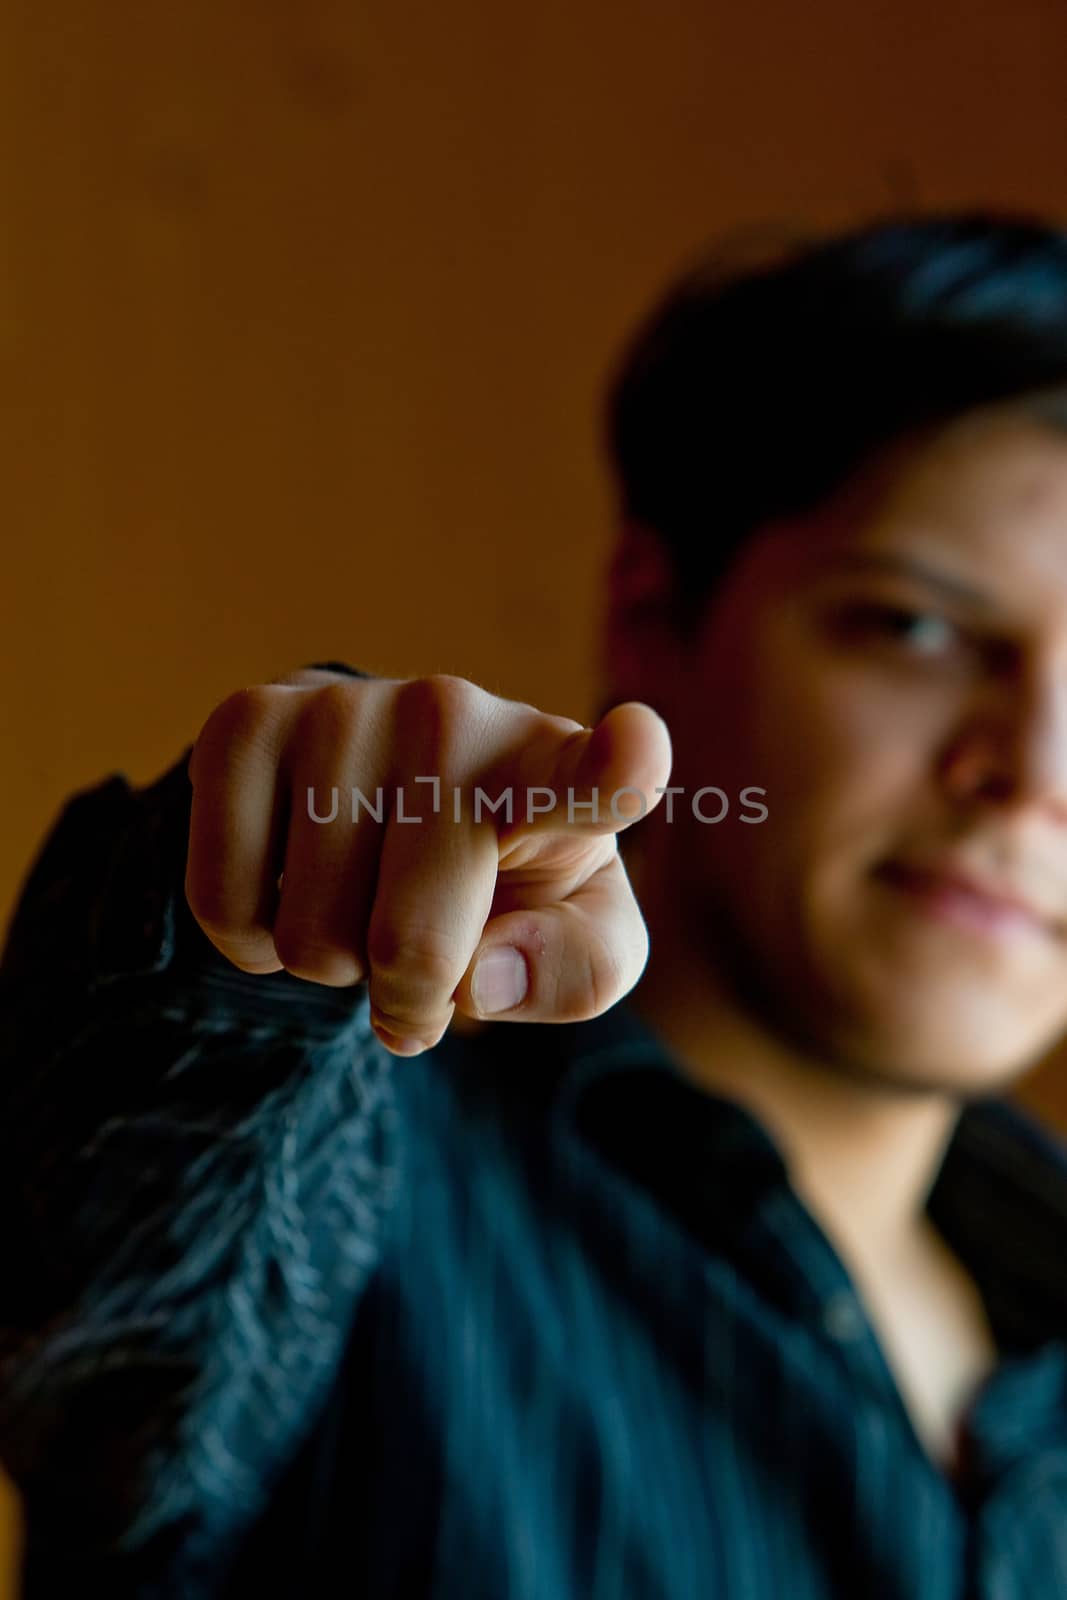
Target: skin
417	911
888	719
888	716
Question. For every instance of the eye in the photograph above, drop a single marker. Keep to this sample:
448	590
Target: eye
918	633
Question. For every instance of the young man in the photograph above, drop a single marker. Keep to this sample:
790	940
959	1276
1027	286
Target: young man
730	1273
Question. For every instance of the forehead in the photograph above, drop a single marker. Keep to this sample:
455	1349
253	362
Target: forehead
983	501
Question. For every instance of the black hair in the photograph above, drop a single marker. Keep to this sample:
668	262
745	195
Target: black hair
752	393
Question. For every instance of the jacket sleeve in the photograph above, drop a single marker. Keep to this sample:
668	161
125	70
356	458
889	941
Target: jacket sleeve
196	1165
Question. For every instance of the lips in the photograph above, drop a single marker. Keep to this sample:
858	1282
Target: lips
961	894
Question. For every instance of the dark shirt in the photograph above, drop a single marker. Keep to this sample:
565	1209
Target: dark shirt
528	1317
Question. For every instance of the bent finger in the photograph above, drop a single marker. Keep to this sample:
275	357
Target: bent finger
566	962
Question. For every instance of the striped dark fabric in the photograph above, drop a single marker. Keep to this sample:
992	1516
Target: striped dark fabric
608	1352
529	1317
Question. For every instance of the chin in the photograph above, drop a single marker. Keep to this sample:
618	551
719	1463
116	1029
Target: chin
923	1078
927	1015
966	1057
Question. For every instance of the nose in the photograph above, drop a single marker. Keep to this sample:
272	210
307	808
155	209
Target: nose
1012	750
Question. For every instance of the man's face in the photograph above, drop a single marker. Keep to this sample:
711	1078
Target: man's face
892	670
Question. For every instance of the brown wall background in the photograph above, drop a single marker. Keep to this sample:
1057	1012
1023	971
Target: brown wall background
304	311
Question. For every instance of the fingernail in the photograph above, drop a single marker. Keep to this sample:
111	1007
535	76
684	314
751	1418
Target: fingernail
500	980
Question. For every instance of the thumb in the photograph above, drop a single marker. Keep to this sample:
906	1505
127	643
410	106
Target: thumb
559	963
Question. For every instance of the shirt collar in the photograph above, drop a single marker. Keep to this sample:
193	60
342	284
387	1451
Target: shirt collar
999	1197
1000	1200
704	1156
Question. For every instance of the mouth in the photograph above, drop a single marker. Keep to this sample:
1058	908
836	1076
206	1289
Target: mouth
956	896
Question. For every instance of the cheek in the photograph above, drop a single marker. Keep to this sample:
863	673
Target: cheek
847	773
846	752
839	754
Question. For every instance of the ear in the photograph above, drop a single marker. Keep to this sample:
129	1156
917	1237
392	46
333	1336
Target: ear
640	647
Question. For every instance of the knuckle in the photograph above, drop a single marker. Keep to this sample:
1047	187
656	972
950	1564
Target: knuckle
445	689
297	946
630	946
433	710
612	962
605	980
263	961
331	712
245	947
245	718
421	957
207	904
308	950
243	713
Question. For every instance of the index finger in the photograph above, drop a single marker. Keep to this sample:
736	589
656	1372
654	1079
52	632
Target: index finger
597	780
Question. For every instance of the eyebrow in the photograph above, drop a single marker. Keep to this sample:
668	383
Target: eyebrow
908	566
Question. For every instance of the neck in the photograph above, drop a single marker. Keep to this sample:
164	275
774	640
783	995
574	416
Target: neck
860	1156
